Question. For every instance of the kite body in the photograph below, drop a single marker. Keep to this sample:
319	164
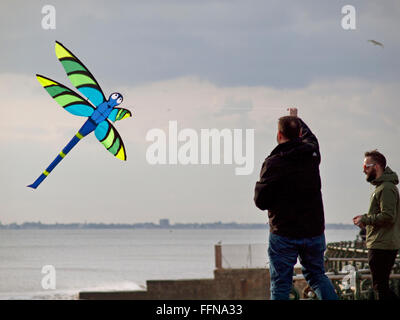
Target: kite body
96	107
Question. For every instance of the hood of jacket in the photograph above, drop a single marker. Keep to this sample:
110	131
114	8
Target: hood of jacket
387	176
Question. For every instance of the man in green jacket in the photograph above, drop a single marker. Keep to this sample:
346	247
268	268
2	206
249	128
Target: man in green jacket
382	222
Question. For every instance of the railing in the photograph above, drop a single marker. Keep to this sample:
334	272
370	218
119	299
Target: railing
238	256
346	264
230	256
346	249
355	285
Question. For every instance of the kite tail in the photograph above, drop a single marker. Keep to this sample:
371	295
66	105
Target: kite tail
88	127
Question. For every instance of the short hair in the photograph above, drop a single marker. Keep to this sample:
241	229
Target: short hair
289	126
377	157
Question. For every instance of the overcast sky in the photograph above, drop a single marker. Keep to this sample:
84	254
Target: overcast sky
206	64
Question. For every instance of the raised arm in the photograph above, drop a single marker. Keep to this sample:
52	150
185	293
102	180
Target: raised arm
306	134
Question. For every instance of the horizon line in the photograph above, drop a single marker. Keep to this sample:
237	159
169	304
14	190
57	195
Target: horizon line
160	223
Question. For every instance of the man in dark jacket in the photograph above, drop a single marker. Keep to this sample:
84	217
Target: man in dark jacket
290	189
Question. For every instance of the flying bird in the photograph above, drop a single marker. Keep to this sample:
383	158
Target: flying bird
376	43
97	108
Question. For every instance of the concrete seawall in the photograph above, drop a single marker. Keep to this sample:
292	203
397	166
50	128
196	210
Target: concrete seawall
228	284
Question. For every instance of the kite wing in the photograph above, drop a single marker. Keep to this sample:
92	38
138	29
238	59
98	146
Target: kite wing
79	75
66	98
110	138
119	114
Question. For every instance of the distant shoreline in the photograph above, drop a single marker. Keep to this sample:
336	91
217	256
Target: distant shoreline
149	225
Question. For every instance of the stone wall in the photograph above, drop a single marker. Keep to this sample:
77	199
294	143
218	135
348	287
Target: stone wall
228	284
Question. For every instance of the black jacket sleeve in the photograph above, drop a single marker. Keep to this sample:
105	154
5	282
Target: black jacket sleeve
264	190
308	137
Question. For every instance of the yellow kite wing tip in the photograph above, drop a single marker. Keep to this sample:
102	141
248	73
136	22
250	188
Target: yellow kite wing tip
121	154
45	82
127	115
61	51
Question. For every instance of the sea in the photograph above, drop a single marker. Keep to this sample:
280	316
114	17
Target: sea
58	264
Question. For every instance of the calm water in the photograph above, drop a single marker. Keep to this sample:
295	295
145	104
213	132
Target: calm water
113	259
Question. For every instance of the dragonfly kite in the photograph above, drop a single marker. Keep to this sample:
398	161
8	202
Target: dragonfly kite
96	107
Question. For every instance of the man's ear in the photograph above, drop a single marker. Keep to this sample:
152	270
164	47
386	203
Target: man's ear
278	137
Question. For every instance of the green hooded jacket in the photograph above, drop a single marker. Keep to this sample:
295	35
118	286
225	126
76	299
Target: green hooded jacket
383	218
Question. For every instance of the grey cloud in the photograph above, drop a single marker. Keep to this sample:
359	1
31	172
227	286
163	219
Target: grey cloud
274	43
352	104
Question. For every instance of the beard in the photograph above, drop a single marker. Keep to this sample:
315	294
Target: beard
371	176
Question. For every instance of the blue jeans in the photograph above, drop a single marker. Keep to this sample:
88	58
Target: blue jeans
283	253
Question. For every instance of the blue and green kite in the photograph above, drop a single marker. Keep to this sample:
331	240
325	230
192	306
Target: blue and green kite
96	107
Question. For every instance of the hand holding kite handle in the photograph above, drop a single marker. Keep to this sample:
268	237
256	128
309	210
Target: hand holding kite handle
292	112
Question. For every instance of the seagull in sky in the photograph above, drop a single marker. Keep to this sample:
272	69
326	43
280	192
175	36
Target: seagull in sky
376	43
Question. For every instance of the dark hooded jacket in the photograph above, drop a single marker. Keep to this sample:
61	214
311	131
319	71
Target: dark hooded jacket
290	188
